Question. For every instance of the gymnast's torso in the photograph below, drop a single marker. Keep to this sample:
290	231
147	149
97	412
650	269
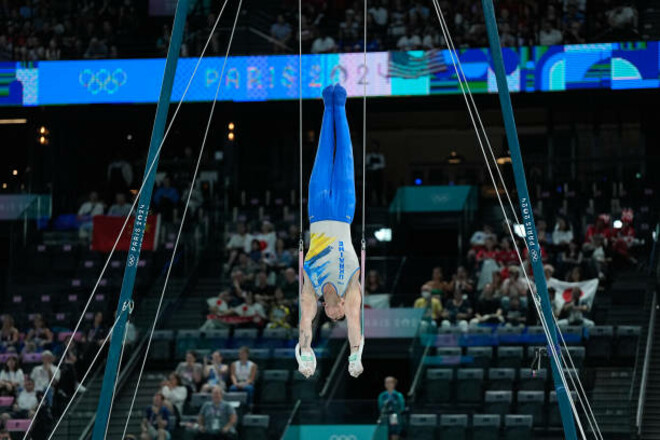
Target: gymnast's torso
331	258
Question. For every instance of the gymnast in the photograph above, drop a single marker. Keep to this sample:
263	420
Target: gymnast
331	267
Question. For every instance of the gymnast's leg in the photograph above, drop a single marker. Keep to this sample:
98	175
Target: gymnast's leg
343	173
319	182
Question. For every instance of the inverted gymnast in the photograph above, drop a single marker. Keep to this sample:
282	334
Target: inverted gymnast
331	268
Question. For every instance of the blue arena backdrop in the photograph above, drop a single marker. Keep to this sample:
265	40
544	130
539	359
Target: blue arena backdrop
610	66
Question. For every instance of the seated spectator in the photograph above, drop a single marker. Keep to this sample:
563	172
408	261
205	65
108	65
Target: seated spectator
40	335
96	49
457	312
432	39
572	313
349	29
478	239
239	241
379	14
489	309
515	312
515	285
507	256
215	373
409	41
247	267
263	291
279	315
174	393
563	234
439	287
219	307
599	256
373	283
281	32
217	419
67	383
25	404
289	285
548	35
323	43
243	373
391	405
190	371
121	208
267	237
542	233
9	335
166	198
497	282
44	373
87	211
461	282
92	341
281	258
601	227
157	421
623	238
255	251
397	27
11	377
253	310
431	305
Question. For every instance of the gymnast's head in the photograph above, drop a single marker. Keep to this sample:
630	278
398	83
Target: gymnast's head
333	303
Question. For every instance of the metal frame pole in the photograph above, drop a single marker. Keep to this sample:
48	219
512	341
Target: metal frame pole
141	213
527	213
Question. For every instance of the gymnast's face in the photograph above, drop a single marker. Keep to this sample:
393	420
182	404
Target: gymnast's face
333	304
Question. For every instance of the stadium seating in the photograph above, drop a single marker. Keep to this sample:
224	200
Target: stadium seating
454	426
255	427
486	426
518	427
469	385
423	426
532	403
481	356
501	379
438	385
498	402
599	342
274	386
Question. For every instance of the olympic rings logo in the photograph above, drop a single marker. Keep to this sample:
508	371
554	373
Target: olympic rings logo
343	437
103	80
131	260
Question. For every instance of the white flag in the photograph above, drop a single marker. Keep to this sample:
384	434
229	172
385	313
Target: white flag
564	291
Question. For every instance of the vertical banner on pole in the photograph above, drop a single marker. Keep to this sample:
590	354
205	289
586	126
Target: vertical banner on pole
527	215
141	214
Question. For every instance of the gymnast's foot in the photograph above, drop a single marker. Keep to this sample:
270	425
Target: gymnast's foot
306	361
328	96
340	95
355	367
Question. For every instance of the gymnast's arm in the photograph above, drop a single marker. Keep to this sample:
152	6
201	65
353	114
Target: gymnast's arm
308	303
353	309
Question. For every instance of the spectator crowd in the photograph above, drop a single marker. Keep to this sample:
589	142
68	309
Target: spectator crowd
490	288
76	29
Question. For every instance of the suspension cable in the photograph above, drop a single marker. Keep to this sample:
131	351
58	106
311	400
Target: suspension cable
456	63
301	240
363	241
461	76
126	220
183	218
125	309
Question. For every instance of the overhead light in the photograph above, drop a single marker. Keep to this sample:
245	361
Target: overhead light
618	224
231	136
383	234
14	173
43	140
129	137
13	121
231	126
43	130
4	186
418	181
503	160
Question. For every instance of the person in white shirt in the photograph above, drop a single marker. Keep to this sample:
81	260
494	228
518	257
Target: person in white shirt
174	392
549	36
563	234
323	44
238	242
243	374
25	403
11	376
379	14
267	236
252	309
87	211
42	374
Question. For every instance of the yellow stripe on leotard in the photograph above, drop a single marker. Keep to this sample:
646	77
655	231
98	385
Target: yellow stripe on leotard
318	243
